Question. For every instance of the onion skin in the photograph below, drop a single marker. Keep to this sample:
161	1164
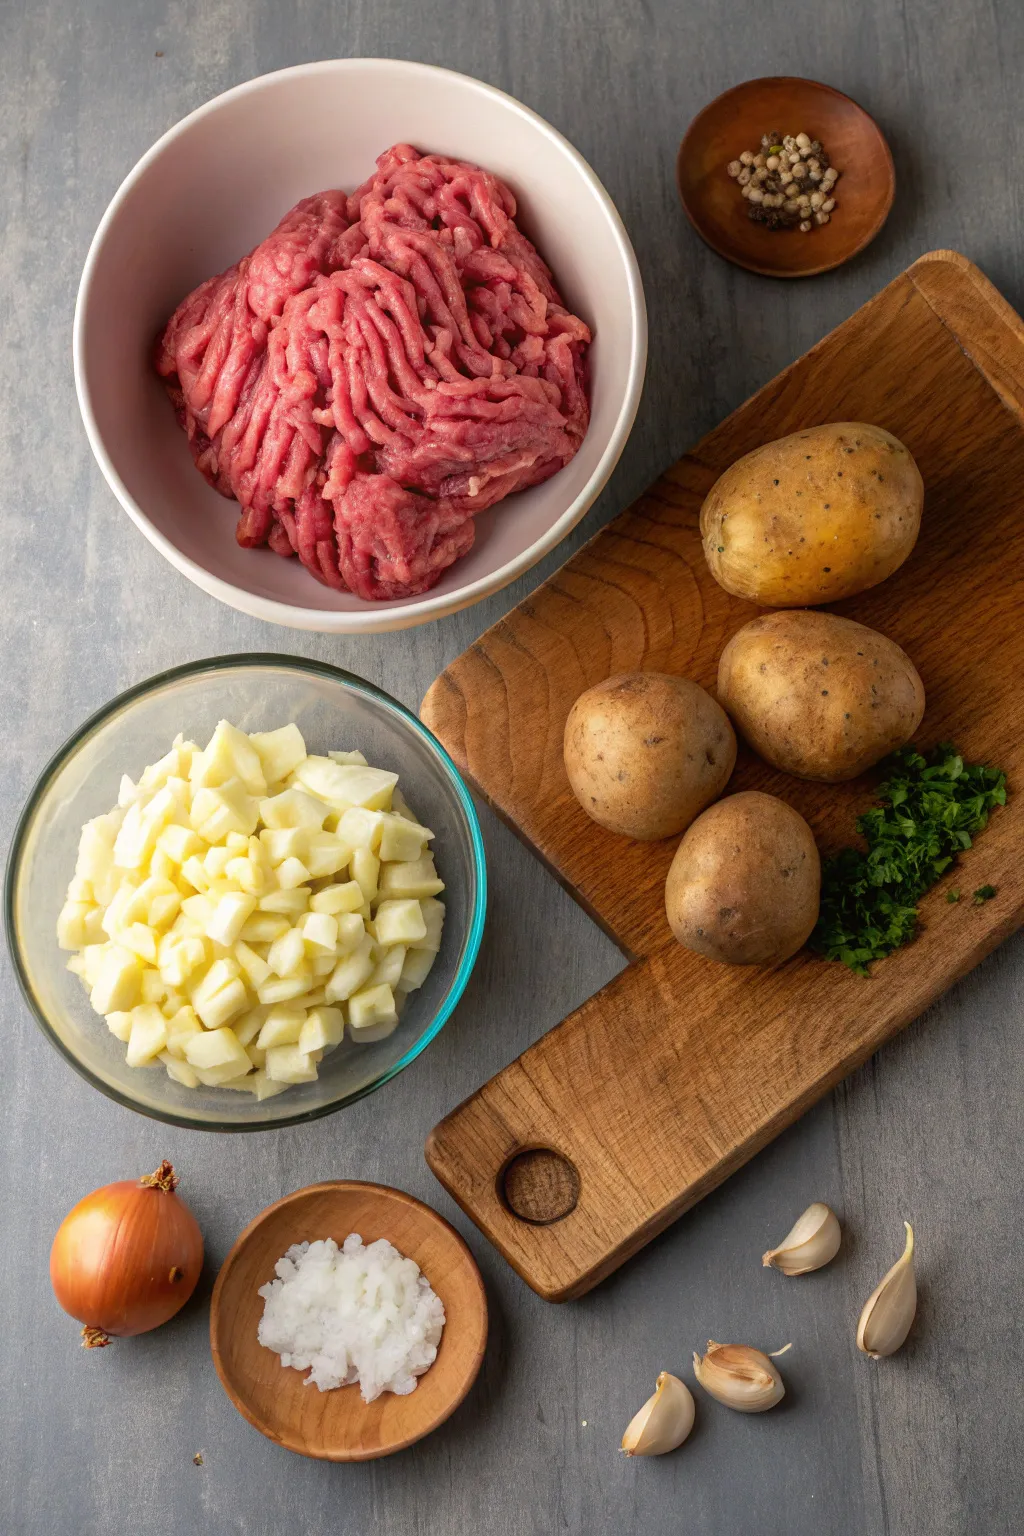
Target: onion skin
126	1258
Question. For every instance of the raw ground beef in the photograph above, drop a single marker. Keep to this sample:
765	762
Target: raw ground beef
383	367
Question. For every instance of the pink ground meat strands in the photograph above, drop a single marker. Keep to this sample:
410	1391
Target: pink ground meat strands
380	369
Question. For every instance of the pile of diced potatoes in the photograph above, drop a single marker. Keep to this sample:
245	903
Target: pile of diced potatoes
245	904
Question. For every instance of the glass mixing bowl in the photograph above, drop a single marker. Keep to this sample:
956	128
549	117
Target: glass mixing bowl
334	710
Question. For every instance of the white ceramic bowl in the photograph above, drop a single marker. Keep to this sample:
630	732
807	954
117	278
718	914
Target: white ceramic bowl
213	187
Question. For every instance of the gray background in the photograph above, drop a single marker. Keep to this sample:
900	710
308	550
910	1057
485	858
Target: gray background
924	1443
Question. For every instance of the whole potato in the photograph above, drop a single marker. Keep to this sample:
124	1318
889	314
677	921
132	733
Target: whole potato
813	517
744	885
645	753
819	696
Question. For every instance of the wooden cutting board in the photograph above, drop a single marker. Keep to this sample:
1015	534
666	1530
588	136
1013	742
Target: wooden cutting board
679	1070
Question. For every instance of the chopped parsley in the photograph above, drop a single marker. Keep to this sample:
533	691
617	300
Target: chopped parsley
952	896
931	808
983	893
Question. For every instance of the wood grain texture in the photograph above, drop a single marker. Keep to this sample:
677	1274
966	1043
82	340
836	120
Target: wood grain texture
101	1443
338	1425
674	1075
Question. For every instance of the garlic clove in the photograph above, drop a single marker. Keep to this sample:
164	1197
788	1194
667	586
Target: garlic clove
663	1422
889	1310
739	1376
812	1242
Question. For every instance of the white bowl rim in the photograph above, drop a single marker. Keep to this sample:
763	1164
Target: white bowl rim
375	617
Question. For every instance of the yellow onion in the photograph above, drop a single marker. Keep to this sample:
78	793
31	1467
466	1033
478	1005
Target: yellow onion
127	1258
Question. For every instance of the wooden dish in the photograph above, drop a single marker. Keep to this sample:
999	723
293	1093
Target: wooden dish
735	121
338	1425
665	1082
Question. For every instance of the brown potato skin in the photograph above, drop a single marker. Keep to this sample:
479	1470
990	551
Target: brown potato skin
813	517
819	696
745	882
646	752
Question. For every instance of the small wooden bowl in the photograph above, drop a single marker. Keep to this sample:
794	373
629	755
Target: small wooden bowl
338	1425
735	121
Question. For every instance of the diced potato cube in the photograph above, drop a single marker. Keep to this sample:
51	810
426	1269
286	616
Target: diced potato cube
326	854
163	867
153	988
351	928
399	922
216	861
291	873
264	928
136	839
229	754
71	932
163	909
372	1014
226	808
361	828
322	1030
223	1006
291	902
353	784
322	964
170	766
92	958
179	957
148	1035
137	905
347	897
95	852
221	972
179	843
433	917
347	757
281	989
229	917
194	870
265	1087
293	808
114	918
80	890
200	909
180	1030
179	1071
280	843
254	968
400	807
92	924
416	968
401	841
247	875
416	878
118	981
257	1056
287	955
141	940
350	974
287	1064
120	1025
280	751
320	931
389	967
365	868
249	1025
282	1026
314	999
217	1050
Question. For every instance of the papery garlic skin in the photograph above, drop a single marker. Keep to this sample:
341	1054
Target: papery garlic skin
663	1422
739	1376
890	1309
812	1242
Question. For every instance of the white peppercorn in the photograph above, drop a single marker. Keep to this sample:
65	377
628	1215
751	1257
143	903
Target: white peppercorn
816	199
821	218
747	157
828	205
772	162
734	167
760	161
806	226
755	194
803	141
743	175
813	165
798	168
814	176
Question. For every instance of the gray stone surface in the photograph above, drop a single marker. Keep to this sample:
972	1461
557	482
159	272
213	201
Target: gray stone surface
926	1444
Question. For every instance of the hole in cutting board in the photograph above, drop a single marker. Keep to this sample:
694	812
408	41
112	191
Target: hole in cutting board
540	1186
